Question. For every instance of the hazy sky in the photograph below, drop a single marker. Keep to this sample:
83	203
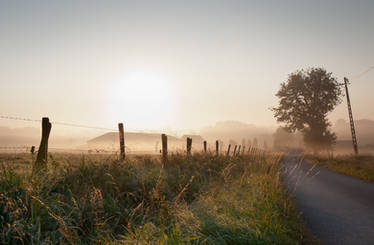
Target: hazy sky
175	64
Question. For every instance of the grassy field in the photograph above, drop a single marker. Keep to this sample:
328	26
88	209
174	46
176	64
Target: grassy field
201	199
361	166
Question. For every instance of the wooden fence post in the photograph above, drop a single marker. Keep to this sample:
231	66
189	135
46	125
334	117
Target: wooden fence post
164	140
243	152
32	150
217	147
41	159
235	150
204	146
239	149
228	150
189	146
249	150
121	141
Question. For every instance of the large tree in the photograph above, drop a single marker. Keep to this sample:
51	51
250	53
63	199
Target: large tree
305	99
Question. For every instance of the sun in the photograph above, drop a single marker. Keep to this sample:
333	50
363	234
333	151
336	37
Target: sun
143	99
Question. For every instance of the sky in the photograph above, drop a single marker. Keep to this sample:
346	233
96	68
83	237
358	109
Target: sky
176	64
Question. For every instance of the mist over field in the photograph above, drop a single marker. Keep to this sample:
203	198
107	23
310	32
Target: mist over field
228	132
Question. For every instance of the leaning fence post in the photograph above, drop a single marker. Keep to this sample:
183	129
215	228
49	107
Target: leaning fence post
235	150
121	141
239	149
189	146
204	146
217	147
243	152
164	140
228	150
41	159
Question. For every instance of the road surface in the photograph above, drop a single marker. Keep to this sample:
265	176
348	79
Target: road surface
338	209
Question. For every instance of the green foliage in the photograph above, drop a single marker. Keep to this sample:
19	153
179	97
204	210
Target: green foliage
305	100
201	199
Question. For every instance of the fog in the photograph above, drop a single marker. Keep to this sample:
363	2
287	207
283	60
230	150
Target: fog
201	68
171	65
149	142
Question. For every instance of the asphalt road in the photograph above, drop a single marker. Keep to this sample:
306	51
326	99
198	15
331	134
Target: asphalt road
338	209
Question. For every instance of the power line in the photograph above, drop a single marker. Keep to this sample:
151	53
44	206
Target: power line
363	73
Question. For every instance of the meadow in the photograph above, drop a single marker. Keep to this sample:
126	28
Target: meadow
197	199
361	166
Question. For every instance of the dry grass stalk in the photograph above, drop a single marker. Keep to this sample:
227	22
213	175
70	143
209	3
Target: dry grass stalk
183	190
63	228
133	213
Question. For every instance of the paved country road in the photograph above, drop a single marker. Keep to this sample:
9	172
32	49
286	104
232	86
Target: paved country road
338	209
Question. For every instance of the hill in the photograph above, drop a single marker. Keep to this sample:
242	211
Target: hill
149	142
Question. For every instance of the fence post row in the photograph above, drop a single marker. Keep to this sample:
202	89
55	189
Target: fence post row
42	155
121	141
189	145
41	159
164	140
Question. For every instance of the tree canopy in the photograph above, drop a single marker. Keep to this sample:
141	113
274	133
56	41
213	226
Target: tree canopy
305	99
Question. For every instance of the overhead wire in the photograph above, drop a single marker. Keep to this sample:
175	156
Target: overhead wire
363	73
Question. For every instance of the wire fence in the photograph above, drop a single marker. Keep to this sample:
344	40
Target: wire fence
27	148
58	123
143	145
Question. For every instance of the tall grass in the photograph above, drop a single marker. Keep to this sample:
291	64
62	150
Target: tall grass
201	199
361	166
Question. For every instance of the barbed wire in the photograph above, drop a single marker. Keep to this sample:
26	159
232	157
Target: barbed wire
56	149
58	123
19	118
84	126
74	125
15	147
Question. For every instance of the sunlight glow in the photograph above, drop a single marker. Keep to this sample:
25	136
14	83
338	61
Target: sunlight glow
143	96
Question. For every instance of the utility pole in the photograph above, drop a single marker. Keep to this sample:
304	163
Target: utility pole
353	131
